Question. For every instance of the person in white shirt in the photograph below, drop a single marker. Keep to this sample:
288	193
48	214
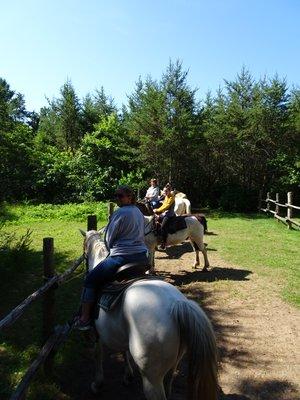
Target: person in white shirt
153	194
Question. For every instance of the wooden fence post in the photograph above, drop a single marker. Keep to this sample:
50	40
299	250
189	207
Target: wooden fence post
110	208
92	222
276	205
289	215
268	203
49	298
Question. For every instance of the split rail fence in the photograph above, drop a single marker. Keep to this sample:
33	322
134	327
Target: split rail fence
288	218
53	335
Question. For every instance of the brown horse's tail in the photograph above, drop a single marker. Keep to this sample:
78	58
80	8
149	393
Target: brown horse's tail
196	333
203	221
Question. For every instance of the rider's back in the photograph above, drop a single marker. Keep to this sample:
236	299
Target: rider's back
125	232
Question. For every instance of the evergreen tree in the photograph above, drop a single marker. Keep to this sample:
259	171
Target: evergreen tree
60	122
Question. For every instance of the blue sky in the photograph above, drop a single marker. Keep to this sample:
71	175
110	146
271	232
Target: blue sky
112	43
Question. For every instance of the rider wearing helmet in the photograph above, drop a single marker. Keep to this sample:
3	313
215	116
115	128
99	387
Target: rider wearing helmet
166	212
124	238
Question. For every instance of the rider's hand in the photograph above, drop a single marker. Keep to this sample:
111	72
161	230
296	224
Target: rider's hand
154	210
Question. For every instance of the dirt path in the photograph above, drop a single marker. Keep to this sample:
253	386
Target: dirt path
257	333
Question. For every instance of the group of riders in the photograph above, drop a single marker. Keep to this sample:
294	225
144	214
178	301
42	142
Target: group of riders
125	241
162	205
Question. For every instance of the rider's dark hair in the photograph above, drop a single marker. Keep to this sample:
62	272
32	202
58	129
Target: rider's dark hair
128	191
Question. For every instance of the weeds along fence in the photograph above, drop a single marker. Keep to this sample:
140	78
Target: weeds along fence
288	206
53	336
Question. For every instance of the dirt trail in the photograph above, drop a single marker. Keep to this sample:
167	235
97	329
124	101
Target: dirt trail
257	333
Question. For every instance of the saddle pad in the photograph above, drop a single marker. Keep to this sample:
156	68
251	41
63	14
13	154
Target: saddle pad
112	293
176	224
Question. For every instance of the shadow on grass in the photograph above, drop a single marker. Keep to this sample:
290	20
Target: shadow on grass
216	274
5	214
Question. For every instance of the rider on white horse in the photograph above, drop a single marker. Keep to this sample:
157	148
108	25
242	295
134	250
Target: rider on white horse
165	212
124	239
152	194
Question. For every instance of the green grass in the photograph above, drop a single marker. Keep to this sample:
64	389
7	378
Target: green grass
22	213
260	244
255	243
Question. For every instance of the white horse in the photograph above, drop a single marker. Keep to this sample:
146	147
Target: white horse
157	324
182	204
194	231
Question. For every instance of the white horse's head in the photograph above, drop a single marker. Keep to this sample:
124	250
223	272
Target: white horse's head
94	248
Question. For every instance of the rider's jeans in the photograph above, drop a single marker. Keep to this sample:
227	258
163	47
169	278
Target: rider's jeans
104	272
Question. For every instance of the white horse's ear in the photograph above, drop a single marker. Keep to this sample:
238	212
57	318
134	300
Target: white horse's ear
82	232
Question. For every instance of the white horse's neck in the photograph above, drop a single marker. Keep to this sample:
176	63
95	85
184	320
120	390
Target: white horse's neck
96	251
148	224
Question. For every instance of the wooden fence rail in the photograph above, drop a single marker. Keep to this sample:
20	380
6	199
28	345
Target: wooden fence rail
288	219
19	310
53	336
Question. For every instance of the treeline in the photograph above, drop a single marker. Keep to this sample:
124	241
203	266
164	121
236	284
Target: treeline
221	151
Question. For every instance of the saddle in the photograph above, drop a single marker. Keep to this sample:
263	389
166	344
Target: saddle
174	225
125	276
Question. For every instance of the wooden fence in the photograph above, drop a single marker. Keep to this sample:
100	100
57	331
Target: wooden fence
53	336
288	218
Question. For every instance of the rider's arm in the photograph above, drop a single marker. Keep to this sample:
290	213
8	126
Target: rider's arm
155	193
168	201
112	230
148	193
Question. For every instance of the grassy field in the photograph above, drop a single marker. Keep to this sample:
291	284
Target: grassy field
251	242
263	245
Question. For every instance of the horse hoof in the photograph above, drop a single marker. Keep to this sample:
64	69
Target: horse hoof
205	269
95	387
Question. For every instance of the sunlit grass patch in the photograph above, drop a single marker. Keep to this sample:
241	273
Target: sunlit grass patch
262	245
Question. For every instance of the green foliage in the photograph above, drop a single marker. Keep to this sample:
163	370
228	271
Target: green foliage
135	179
222	152
16	162
12	106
